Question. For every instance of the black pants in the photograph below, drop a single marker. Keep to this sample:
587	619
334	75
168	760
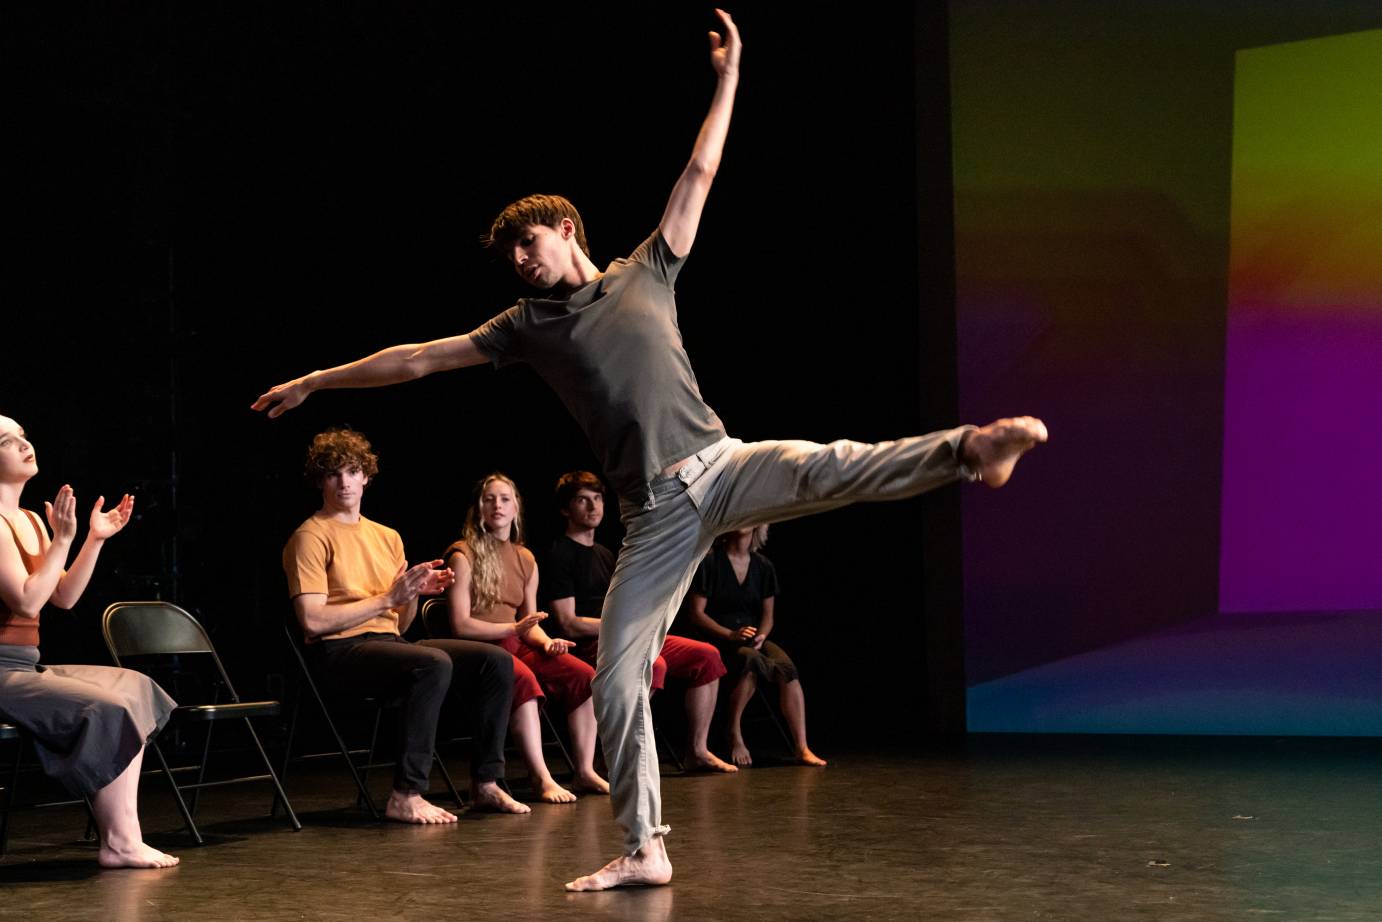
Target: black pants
419	677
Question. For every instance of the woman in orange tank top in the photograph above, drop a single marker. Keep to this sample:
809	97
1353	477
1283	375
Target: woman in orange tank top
494	598
89	724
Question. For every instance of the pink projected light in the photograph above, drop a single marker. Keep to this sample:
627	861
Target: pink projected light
1302	488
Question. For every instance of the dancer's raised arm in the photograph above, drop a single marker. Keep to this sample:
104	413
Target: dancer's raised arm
683	214
388	366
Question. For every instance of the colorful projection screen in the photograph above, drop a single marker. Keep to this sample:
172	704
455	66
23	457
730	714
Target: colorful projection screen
1169	245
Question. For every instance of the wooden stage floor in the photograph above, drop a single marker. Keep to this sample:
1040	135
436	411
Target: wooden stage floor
996	828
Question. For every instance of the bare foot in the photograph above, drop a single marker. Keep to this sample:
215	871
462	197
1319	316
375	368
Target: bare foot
553	793
649	866
590	783
411	808
137	855
992	451
490	797
807	757
739	753
707	761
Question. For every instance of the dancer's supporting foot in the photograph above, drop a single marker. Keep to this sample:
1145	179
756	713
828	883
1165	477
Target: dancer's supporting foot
707	761
589	782
490	797
739	752
992	451
649	866
807	757
411	808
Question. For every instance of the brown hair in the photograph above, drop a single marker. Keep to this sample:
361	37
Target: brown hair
547	210
569	484
337	448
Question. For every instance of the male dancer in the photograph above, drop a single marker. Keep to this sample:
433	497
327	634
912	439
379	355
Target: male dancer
354	595
608	344
575	577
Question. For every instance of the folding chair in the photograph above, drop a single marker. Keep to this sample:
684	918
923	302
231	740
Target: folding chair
145	629
359	773
433	618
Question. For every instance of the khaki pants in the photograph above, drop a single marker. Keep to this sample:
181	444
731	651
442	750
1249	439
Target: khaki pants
728	486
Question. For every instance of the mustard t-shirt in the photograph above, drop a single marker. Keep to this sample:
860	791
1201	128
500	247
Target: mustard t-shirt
347	562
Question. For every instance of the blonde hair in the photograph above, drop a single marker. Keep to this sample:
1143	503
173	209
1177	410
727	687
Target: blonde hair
487	569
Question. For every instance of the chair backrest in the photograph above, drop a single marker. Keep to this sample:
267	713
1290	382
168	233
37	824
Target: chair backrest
436	618
151	628
158	629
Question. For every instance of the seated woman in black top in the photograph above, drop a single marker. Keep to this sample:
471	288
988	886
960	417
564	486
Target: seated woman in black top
732	604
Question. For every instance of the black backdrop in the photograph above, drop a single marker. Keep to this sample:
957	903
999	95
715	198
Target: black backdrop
207	199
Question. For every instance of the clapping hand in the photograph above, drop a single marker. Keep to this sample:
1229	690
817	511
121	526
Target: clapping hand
62	515
106	524
423	579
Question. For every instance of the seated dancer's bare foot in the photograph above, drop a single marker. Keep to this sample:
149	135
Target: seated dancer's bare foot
136	855
807	757
411	808
490	797
739	753
590	783
707	761
647	867
553	793
992	451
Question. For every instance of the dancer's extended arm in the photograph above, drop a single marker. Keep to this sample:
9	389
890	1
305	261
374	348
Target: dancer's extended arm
388	366
683	214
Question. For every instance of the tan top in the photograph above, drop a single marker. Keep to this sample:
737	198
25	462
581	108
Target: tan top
518	564
347	562
17	629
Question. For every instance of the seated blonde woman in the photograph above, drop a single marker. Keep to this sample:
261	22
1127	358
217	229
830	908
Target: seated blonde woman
89	723
494	598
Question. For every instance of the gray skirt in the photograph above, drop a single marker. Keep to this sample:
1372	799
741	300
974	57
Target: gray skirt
87	722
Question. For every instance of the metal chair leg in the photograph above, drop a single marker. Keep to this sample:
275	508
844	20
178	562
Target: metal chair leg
177	794
9	796
279	793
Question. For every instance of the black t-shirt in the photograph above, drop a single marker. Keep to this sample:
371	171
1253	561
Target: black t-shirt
730	603
572	570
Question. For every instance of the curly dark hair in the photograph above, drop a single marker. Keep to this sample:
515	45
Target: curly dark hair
337	448
547	210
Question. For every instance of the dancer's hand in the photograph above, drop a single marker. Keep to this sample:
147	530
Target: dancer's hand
745	633
106	524
283	397
724	50
525	624
759	640
62	515
557	647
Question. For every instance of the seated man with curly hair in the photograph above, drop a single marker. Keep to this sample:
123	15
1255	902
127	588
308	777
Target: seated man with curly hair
354	595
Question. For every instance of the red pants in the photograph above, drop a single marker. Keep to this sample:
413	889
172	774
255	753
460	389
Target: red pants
697	662
565	678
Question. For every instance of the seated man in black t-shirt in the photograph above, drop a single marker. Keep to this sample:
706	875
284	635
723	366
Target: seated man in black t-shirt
575	575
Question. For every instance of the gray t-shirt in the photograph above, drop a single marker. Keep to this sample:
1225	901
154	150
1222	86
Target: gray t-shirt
613	353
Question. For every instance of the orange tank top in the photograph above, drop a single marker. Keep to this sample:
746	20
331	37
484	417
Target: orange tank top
17	629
